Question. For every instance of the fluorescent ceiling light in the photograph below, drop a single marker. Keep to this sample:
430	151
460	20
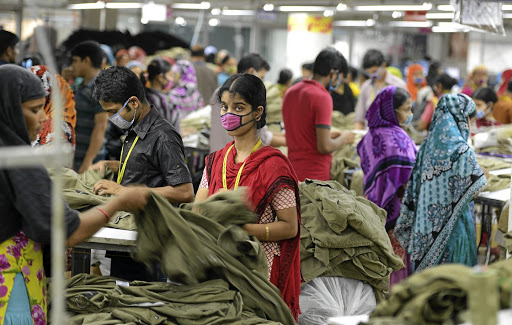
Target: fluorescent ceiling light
350	23
85	6
192	6
506	7
417	24
440	29
439	15
301	8
268	7
124	5
180	21
328	13
233	12
507	16
424	7
213	22
445	8
216	11
341	7
397	14
154	12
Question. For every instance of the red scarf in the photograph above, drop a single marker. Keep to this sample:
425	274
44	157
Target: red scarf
266	171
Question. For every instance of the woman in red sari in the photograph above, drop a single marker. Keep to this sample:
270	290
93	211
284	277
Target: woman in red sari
271	181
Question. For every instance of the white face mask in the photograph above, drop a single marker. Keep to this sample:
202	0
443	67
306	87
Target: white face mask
120	122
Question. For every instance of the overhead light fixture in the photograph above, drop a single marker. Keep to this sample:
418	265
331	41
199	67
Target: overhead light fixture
397	14
192	6
424	7
180	21
445	8
350	23
370	22
144	20
447	25
85	6
237	12
216	11
341	7
506	7
440	15
417	24
214	22
301	8
124	5
507	16
328	13
268	7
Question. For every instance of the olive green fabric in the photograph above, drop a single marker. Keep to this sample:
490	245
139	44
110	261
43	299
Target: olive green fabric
347	158
440	295
341	121
78	191
503	219
99	300
344	235
274	104
497	182
492	163
192	248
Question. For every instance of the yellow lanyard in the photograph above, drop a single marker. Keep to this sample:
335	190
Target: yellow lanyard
224	172
121	170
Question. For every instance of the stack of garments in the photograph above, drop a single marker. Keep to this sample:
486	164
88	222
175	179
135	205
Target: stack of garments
495	182
344	235
222	270
447	294
78	192
344	159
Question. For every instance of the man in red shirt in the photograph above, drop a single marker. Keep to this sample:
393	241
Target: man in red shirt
307	110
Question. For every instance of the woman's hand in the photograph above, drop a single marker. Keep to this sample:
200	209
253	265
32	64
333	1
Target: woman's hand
106	187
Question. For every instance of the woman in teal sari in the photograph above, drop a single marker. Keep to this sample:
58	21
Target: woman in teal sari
435	225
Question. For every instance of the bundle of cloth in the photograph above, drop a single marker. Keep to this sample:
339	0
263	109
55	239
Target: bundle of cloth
448	294
222	272
343	235
495	182
78	191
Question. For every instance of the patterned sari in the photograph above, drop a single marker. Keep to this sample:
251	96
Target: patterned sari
435	225
387	158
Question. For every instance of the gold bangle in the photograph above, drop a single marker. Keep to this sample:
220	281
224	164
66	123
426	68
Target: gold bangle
267	233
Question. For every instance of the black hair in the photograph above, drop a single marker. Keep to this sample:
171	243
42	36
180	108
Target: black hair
509	86
225	59
197	51
446	81
400	97
486	94
89	49
251	89
156	67
432	73
328	59
117	84
251	60
373	58
285	75
265	65
7	39
353	72
308	66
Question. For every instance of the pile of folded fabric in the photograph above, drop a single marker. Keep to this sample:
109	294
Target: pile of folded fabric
78	191
222	271
448	294
343	235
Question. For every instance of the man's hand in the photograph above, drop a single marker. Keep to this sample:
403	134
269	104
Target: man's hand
106	187
133	199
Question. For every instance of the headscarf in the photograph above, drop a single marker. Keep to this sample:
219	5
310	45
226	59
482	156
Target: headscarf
506	76
185	94
17	85
109	54
471	84
411	85
138	54
387	155
50	80
395	71
445	178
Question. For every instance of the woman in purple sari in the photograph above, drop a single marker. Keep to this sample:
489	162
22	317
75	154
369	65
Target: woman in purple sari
387	159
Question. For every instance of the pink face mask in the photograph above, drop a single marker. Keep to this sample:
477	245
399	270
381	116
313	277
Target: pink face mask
232	122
